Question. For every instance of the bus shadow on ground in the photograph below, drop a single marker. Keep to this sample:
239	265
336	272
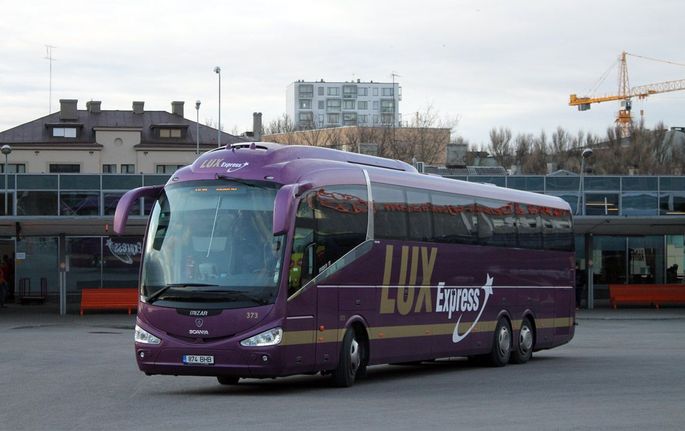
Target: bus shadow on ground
376	375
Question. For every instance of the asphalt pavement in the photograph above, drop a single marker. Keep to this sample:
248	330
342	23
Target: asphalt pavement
623	370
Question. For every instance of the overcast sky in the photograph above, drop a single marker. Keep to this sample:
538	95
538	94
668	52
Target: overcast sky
488	63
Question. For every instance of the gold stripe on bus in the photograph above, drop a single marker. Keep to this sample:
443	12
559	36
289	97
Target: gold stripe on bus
292	338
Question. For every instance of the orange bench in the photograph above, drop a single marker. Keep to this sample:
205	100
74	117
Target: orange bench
646	294
109	299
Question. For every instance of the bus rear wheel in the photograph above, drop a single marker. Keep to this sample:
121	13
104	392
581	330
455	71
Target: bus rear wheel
351	356
501	344
228	380
524	349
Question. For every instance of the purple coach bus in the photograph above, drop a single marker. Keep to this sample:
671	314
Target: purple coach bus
262	260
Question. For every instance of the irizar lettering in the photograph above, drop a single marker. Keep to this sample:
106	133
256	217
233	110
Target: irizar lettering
198	313
452	299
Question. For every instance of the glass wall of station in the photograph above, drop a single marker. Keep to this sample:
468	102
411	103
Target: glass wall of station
91	262
645	260
632	196
71	195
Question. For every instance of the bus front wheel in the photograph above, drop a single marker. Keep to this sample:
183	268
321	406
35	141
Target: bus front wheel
228	380
501	344
351	356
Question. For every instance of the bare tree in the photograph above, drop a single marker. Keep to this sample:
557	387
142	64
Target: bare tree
282	124
500	146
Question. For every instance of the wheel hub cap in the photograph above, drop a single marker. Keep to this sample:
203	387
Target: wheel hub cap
355	360
526	339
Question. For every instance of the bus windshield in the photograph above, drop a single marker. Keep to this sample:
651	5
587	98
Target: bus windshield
212	243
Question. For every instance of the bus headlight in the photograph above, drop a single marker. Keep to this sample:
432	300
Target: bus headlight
144	337
266	338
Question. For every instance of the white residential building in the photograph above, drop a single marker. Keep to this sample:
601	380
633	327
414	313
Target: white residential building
331	104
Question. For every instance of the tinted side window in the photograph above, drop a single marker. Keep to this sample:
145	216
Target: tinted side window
419	214
557	229
496	223
390	216
330	222
454	219
529	226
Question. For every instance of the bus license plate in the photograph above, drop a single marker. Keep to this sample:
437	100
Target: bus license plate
198	359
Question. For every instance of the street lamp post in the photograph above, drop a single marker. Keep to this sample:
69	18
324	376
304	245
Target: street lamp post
587	153
197	128
217	70
6	150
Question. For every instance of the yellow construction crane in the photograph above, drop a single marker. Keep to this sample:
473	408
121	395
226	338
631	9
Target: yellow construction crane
625	93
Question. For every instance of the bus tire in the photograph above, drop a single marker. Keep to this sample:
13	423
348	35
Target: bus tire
526	342
350	360
228	380
501	344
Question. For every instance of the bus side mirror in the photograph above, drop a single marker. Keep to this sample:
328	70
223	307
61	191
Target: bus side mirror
128	200
284	206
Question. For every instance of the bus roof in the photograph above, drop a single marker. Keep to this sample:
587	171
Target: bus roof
291	164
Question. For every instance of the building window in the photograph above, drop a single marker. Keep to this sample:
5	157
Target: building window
672	203
376	105
306	91
387	91
319	91
128	169
349	91
79	203
64	132
348	104
321	104
601	204
362	105
64	168
349	119
334	91
675	259
305	104
36	203
362	118
386	118
167	169
305	117
109	169
169	133
387	106
320	119
13	168
333	118
333	105
376	119
375	91
362	91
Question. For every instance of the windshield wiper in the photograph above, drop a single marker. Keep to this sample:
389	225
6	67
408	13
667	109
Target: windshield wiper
237	295
152	298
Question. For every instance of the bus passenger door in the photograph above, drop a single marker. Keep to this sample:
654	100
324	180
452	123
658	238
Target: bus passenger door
300	323
327	335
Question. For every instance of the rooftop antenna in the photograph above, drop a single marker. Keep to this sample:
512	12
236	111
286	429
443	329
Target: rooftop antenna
49	57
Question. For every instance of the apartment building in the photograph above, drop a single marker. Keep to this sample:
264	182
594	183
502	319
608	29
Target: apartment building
319	104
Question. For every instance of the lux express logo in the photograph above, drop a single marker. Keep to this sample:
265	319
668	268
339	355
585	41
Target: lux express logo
222	164
462	299
124	251
406	297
